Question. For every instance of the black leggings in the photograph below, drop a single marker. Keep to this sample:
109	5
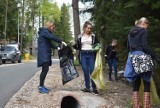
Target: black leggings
137	84
45	68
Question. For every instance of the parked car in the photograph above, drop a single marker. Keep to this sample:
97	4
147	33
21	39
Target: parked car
11	53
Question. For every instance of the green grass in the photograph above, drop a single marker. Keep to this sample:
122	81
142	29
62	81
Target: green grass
76	63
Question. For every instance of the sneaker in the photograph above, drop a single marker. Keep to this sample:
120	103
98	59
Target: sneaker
42	89
46	88
95	92
85	90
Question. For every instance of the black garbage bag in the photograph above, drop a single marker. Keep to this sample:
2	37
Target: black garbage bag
68	69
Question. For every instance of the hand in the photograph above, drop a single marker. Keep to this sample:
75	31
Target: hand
64	43
58	48
72	42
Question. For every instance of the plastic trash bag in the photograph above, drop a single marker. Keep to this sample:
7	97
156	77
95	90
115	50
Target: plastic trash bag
97	75
68	69
96	47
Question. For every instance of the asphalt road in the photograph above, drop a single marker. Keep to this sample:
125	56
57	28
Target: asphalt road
13	77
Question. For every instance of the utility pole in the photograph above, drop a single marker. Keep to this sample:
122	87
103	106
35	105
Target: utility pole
76	20
18	6
33	35
18	26
22	26
39	12
6	18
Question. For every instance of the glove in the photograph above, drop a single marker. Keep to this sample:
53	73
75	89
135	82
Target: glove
58	48
72	42
64	43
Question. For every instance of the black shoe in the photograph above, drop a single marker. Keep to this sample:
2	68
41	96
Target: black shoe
95	92
85	90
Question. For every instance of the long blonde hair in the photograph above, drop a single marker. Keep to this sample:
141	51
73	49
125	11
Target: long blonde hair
143	20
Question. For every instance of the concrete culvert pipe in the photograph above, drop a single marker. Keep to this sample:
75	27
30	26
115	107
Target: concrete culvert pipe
69	102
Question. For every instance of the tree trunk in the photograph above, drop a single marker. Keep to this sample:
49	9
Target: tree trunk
76	20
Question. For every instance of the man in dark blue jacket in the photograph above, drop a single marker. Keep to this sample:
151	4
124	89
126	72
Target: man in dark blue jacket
44	51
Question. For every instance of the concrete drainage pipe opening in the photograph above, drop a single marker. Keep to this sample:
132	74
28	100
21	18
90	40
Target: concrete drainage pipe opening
70	102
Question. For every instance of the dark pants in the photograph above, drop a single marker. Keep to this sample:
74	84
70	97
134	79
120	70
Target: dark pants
45	68
112	63
137	84
87	63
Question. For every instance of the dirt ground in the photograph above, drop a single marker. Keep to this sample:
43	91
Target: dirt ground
116	95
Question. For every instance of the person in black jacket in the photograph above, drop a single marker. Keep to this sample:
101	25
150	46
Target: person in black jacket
137	45
112	59
84	44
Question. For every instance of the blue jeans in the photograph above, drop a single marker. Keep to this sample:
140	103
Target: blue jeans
87	63
112	63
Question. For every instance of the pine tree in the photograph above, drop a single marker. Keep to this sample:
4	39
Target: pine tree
65	24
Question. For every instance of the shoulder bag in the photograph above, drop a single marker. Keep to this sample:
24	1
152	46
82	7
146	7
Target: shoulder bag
142	62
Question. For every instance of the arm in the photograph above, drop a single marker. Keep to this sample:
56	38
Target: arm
49	35
53	45
146	48
96	40
106	54
128	44
77	46
107	50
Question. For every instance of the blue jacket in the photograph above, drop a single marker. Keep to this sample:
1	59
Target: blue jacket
45	45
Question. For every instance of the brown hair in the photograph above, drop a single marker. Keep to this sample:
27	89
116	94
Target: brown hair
86	24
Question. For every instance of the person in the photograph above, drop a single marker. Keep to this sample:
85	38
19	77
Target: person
137	45
44	51
85	41
112	59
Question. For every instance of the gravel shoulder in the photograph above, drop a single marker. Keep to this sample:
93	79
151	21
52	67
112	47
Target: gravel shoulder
116	94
